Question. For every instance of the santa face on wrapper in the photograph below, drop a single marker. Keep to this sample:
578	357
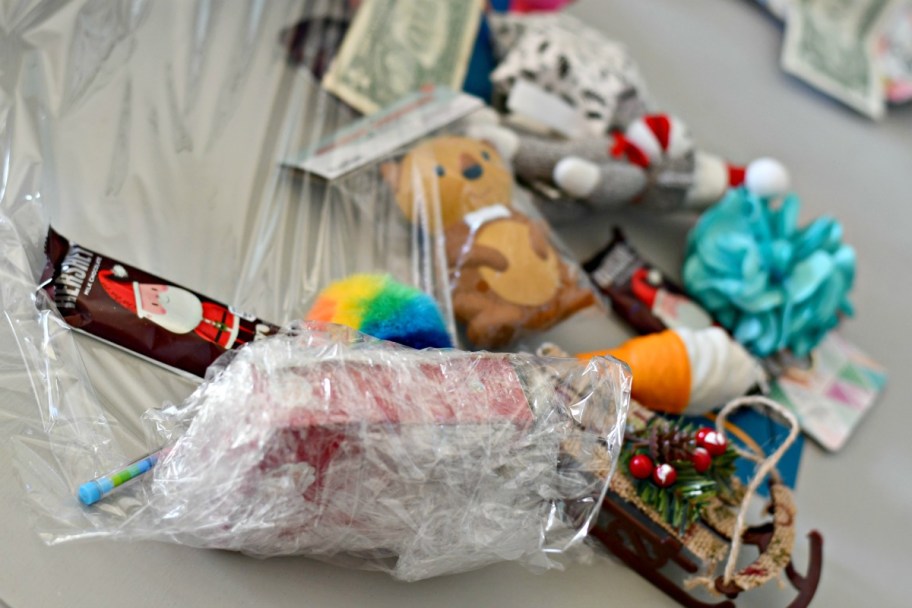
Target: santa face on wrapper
174	309
672	309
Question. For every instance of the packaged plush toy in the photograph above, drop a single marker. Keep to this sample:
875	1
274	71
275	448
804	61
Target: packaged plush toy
507	272
416	197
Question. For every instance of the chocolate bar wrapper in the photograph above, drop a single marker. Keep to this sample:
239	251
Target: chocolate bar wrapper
140	312
640	293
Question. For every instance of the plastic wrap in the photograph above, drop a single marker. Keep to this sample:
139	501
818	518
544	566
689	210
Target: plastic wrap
324	442
155	132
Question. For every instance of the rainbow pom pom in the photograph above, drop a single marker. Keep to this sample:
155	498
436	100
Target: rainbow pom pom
379	306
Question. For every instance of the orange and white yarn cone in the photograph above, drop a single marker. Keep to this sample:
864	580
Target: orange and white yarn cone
683	370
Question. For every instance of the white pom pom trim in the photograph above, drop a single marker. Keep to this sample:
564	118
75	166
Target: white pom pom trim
767	177
576	177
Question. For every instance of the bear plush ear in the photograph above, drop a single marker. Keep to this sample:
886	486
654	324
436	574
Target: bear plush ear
390	170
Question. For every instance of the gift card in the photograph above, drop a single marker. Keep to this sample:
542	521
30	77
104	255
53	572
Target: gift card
832	392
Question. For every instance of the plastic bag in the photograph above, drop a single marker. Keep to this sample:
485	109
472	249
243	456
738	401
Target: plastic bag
509	275
153	132
422	462
326	443
473	238
135	135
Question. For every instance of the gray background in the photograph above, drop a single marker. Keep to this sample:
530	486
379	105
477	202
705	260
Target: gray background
715	64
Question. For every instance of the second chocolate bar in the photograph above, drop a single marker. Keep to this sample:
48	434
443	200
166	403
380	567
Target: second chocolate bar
639	292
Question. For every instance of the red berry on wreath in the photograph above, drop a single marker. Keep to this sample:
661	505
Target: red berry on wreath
664	475
701	459
700	435
714	443
641	466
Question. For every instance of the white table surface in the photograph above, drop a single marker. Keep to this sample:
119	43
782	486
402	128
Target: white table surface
714	63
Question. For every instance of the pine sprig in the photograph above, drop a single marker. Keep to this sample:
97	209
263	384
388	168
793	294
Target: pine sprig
681	503
722	471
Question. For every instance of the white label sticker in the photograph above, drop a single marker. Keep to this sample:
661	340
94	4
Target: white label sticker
532	101
379	134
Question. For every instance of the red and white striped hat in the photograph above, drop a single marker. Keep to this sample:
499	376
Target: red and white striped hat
651	138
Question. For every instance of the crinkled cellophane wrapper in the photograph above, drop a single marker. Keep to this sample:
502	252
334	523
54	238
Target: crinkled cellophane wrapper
154	132
327	443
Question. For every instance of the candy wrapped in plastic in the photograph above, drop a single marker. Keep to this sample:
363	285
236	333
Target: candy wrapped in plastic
324	442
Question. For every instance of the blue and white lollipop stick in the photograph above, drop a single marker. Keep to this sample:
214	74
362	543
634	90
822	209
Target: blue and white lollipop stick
93	491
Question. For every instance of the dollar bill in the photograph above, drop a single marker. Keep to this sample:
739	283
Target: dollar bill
832	45
394	47
896	54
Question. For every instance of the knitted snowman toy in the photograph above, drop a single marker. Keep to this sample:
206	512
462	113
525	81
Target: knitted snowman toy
651	163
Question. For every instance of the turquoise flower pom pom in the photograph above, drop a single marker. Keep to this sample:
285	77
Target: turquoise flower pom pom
772	284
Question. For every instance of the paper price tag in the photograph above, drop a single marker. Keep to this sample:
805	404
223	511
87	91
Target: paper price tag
375	136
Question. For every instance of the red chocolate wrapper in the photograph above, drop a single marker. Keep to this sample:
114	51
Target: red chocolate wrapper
640	293
143	313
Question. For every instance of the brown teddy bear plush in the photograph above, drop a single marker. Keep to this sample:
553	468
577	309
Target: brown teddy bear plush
462	174
505	274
